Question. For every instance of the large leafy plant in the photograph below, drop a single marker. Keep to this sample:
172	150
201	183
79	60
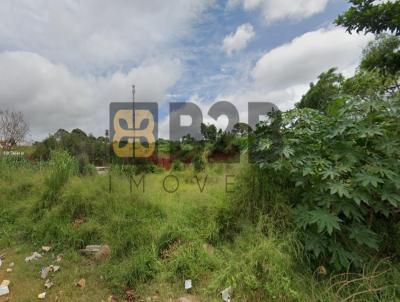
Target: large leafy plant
346	170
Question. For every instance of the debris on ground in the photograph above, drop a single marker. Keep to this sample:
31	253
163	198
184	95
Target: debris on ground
9	270
44	272
46	248
42	295
112	299
321	270
48	284
54	268
188	284
130	295
11	264
34	256
5	282
4	290
1	263
226	294
91	249
59	258
2	256
103	253
81	283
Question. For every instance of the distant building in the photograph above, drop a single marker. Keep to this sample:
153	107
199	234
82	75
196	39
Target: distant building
3	144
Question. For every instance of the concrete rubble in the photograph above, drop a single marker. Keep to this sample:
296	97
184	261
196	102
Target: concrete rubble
33	257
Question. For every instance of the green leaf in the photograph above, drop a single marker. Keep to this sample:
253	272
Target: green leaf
325	221
287	152
364	236
330	173
392	198
368	179
339	188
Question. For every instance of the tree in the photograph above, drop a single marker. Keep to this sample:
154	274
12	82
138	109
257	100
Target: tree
382	55
13	127
241	129
366	16
209	132
325	91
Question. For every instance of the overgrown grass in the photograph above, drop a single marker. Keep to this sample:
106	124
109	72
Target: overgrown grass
159	239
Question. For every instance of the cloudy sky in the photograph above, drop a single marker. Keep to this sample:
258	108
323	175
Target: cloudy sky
63	62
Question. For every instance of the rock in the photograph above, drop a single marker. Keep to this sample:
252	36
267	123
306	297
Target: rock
226	294
48	284
54	268
9	270
46	248
11	264
91	249
1	263
81	283
42	295
188	284
34	256
4	290
103	254
44	272
5	282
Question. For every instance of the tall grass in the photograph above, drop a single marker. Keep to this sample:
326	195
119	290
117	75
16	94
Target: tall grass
160	239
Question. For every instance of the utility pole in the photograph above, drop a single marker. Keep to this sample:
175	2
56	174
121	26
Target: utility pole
133	118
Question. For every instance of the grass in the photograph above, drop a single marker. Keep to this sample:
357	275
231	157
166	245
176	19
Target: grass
159	239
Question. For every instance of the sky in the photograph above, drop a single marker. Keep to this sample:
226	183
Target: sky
63	62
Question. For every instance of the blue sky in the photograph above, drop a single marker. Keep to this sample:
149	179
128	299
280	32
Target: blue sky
63	62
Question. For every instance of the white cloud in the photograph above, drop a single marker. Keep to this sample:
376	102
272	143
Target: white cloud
94	35
53	97
282	75
240	39
304	58
67	60
278	10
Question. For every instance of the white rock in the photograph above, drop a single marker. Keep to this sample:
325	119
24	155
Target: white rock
4	290
188	284
42	295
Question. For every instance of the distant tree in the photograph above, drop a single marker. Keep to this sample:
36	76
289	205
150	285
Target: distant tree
323	92
241	129
13	127
382	55
371	16
209	132
188	139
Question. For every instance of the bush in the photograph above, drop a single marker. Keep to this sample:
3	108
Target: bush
346	170
177	166
199	164
61	167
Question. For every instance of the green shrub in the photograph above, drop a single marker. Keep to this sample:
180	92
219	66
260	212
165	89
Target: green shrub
346	170
61	167
198	164
177	165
